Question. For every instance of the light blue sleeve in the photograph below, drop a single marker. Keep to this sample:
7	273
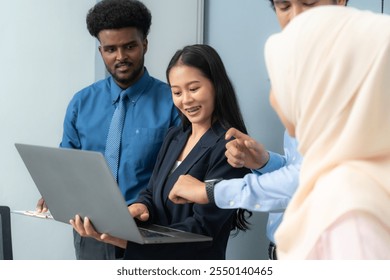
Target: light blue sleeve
266	190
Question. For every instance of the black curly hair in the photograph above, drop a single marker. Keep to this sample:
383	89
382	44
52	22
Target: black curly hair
273	6
115	14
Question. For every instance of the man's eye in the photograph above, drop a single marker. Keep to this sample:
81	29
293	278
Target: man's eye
176	93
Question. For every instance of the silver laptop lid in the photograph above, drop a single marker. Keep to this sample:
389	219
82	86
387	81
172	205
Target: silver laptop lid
80	182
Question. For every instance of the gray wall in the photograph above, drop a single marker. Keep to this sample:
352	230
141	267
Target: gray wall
46	54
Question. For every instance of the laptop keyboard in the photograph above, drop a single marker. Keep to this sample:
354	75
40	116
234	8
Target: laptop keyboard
149	233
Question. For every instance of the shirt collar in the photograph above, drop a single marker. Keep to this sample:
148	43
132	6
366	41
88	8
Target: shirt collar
133	92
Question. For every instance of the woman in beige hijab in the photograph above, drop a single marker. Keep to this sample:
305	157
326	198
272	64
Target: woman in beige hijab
330	78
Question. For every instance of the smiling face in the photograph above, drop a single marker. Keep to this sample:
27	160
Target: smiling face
123	53
193	94
286	10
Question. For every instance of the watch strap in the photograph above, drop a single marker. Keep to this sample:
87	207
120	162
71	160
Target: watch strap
210	189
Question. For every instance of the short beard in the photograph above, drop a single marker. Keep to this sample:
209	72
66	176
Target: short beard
131	79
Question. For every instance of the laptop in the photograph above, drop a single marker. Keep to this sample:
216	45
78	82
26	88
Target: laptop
80	182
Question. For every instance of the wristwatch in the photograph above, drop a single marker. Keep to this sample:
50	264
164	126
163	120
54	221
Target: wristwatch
210	189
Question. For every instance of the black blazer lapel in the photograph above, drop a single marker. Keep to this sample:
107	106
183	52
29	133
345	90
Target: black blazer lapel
207	142
172	152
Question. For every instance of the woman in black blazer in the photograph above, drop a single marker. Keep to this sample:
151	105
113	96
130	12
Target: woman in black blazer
206	101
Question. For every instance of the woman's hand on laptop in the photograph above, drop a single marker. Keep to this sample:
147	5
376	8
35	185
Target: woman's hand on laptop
86	229
113	240
139	211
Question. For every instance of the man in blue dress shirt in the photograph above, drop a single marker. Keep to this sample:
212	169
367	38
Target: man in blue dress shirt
274	177
121	27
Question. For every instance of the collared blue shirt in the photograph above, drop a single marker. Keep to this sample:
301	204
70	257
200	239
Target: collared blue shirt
268	189
149	114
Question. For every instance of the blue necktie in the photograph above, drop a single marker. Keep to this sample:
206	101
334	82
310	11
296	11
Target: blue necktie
114	136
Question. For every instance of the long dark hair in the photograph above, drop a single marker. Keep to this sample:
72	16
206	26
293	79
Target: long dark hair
226	111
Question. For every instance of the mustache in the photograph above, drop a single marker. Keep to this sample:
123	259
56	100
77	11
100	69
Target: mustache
120	64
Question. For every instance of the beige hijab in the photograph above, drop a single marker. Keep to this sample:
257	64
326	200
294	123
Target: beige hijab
330	73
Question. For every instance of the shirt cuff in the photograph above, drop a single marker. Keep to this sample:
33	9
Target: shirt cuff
275	162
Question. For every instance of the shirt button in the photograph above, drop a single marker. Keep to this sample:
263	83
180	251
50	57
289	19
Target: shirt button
257	206
137	131
231	202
